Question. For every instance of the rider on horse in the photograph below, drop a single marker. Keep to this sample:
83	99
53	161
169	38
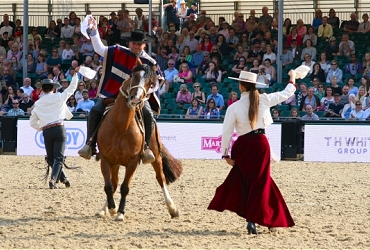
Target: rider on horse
118	64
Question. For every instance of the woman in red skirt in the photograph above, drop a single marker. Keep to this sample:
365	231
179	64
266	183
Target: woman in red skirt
249	190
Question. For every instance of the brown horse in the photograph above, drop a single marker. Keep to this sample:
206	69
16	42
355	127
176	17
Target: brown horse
120	141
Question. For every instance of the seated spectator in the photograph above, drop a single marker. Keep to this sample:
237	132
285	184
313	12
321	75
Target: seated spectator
16	66
325	29
213	75
169	75
327	99
310	36
310	99
318	20
332	49
308	62
286	57
335	87
309	50
256	67
218	98
276	114
324	63
320	93
345	95
232	41
287	26
294	114
310	115
365	82
87	48
9	94
332	19
206	45
52	31
162	58
79	92
357	113
351	25
76	46
240	52
85	104
334	71
270	71
27	88
334	109
211	111
37	93
225	29
255	53
353	67
318	73
291	101
302	93
185	73
204	65
361	95
14	51
301	29
346	47
218	64
68	53
315	82
233	97
93	90
198	56
240	66
26	103
364	26
294	35
34	33
15	111
269	55
64	83
31	64
183	95
182	61
347	109
62	46
215	52
72	104
41	67
7	77
195	110
54	60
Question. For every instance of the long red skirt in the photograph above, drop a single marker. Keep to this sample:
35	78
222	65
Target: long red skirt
249	189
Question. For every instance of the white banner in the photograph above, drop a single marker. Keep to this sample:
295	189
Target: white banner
183	140
337	143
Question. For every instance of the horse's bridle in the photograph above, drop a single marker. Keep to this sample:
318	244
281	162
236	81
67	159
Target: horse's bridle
126	94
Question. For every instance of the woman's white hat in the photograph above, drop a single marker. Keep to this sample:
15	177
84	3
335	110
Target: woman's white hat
250	77
302	71
182	2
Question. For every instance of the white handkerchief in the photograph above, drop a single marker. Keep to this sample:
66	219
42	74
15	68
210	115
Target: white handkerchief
85	26
87	72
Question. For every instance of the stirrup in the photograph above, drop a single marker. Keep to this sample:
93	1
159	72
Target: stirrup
148	156
85	152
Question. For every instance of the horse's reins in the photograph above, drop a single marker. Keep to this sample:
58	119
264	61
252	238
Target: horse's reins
126	94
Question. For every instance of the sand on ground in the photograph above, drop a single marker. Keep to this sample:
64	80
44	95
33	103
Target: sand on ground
329	202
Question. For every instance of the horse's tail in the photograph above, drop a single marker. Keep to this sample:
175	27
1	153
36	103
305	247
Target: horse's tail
172	168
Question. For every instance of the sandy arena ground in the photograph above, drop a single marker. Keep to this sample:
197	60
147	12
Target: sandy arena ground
330	204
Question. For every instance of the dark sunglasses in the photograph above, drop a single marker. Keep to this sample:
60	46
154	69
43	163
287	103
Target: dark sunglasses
182	56
171	64
321	87
15	103
196	86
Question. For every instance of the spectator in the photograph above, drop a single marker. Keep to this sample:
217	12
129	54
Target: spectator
269	55
32	49
87	48
335	87
301	29
52	31
181	61
351	25
27	88
78	93
191	42
67	31
276	114
72	104
335	71
270	71
15	111
232	41
222	46
195	110
286	57
233	97
294	113
324	63
6	28
204	65
183	95
9	96
332	49
255	53
185	73
213	74
310	36
31	64
7	77
302	93
54	60
287	27
33	35
220	104
240	66
345	94
72	18
162	58
310	115
364	26
14	51
85	104
187	53
171	12
318	20
353	67
68	53
334	109
215	52
26	103
346	47
308	62
15	65
347	109
266	18
325	29
308	50
315	82
77	27
320	93
361	95
357	113
333	20
64	83
351	88
198	94
253	23
93	89
294	35
240	53
318	72
211	111
291	101
365	82
206	44
225	30
327	99
173	55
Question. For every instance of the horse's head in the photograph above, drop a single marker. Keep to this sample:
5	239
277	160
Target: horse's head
143	77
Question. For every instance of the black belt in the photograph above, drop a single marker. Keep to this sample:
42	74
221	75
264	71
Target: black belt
257	132
52	125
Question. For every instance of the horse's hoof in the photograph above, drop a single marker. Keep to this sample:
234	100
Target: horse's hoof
100	214
172	209
112	211
120	217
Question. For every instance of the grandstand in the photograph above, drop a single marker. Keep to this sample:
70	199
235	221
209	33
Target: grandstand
42	11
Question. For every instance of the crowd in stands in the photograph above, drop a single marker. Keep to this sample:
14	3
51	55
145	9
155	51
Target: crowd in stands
196	55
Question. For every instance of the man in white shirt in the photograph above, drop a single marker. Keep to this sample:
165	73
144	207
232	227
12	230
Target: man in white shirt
48	116
27	88
67	30
6	28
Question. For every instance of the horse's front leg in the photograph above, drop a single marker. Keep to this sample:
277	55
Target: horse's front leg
172	209
130	170
109	187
